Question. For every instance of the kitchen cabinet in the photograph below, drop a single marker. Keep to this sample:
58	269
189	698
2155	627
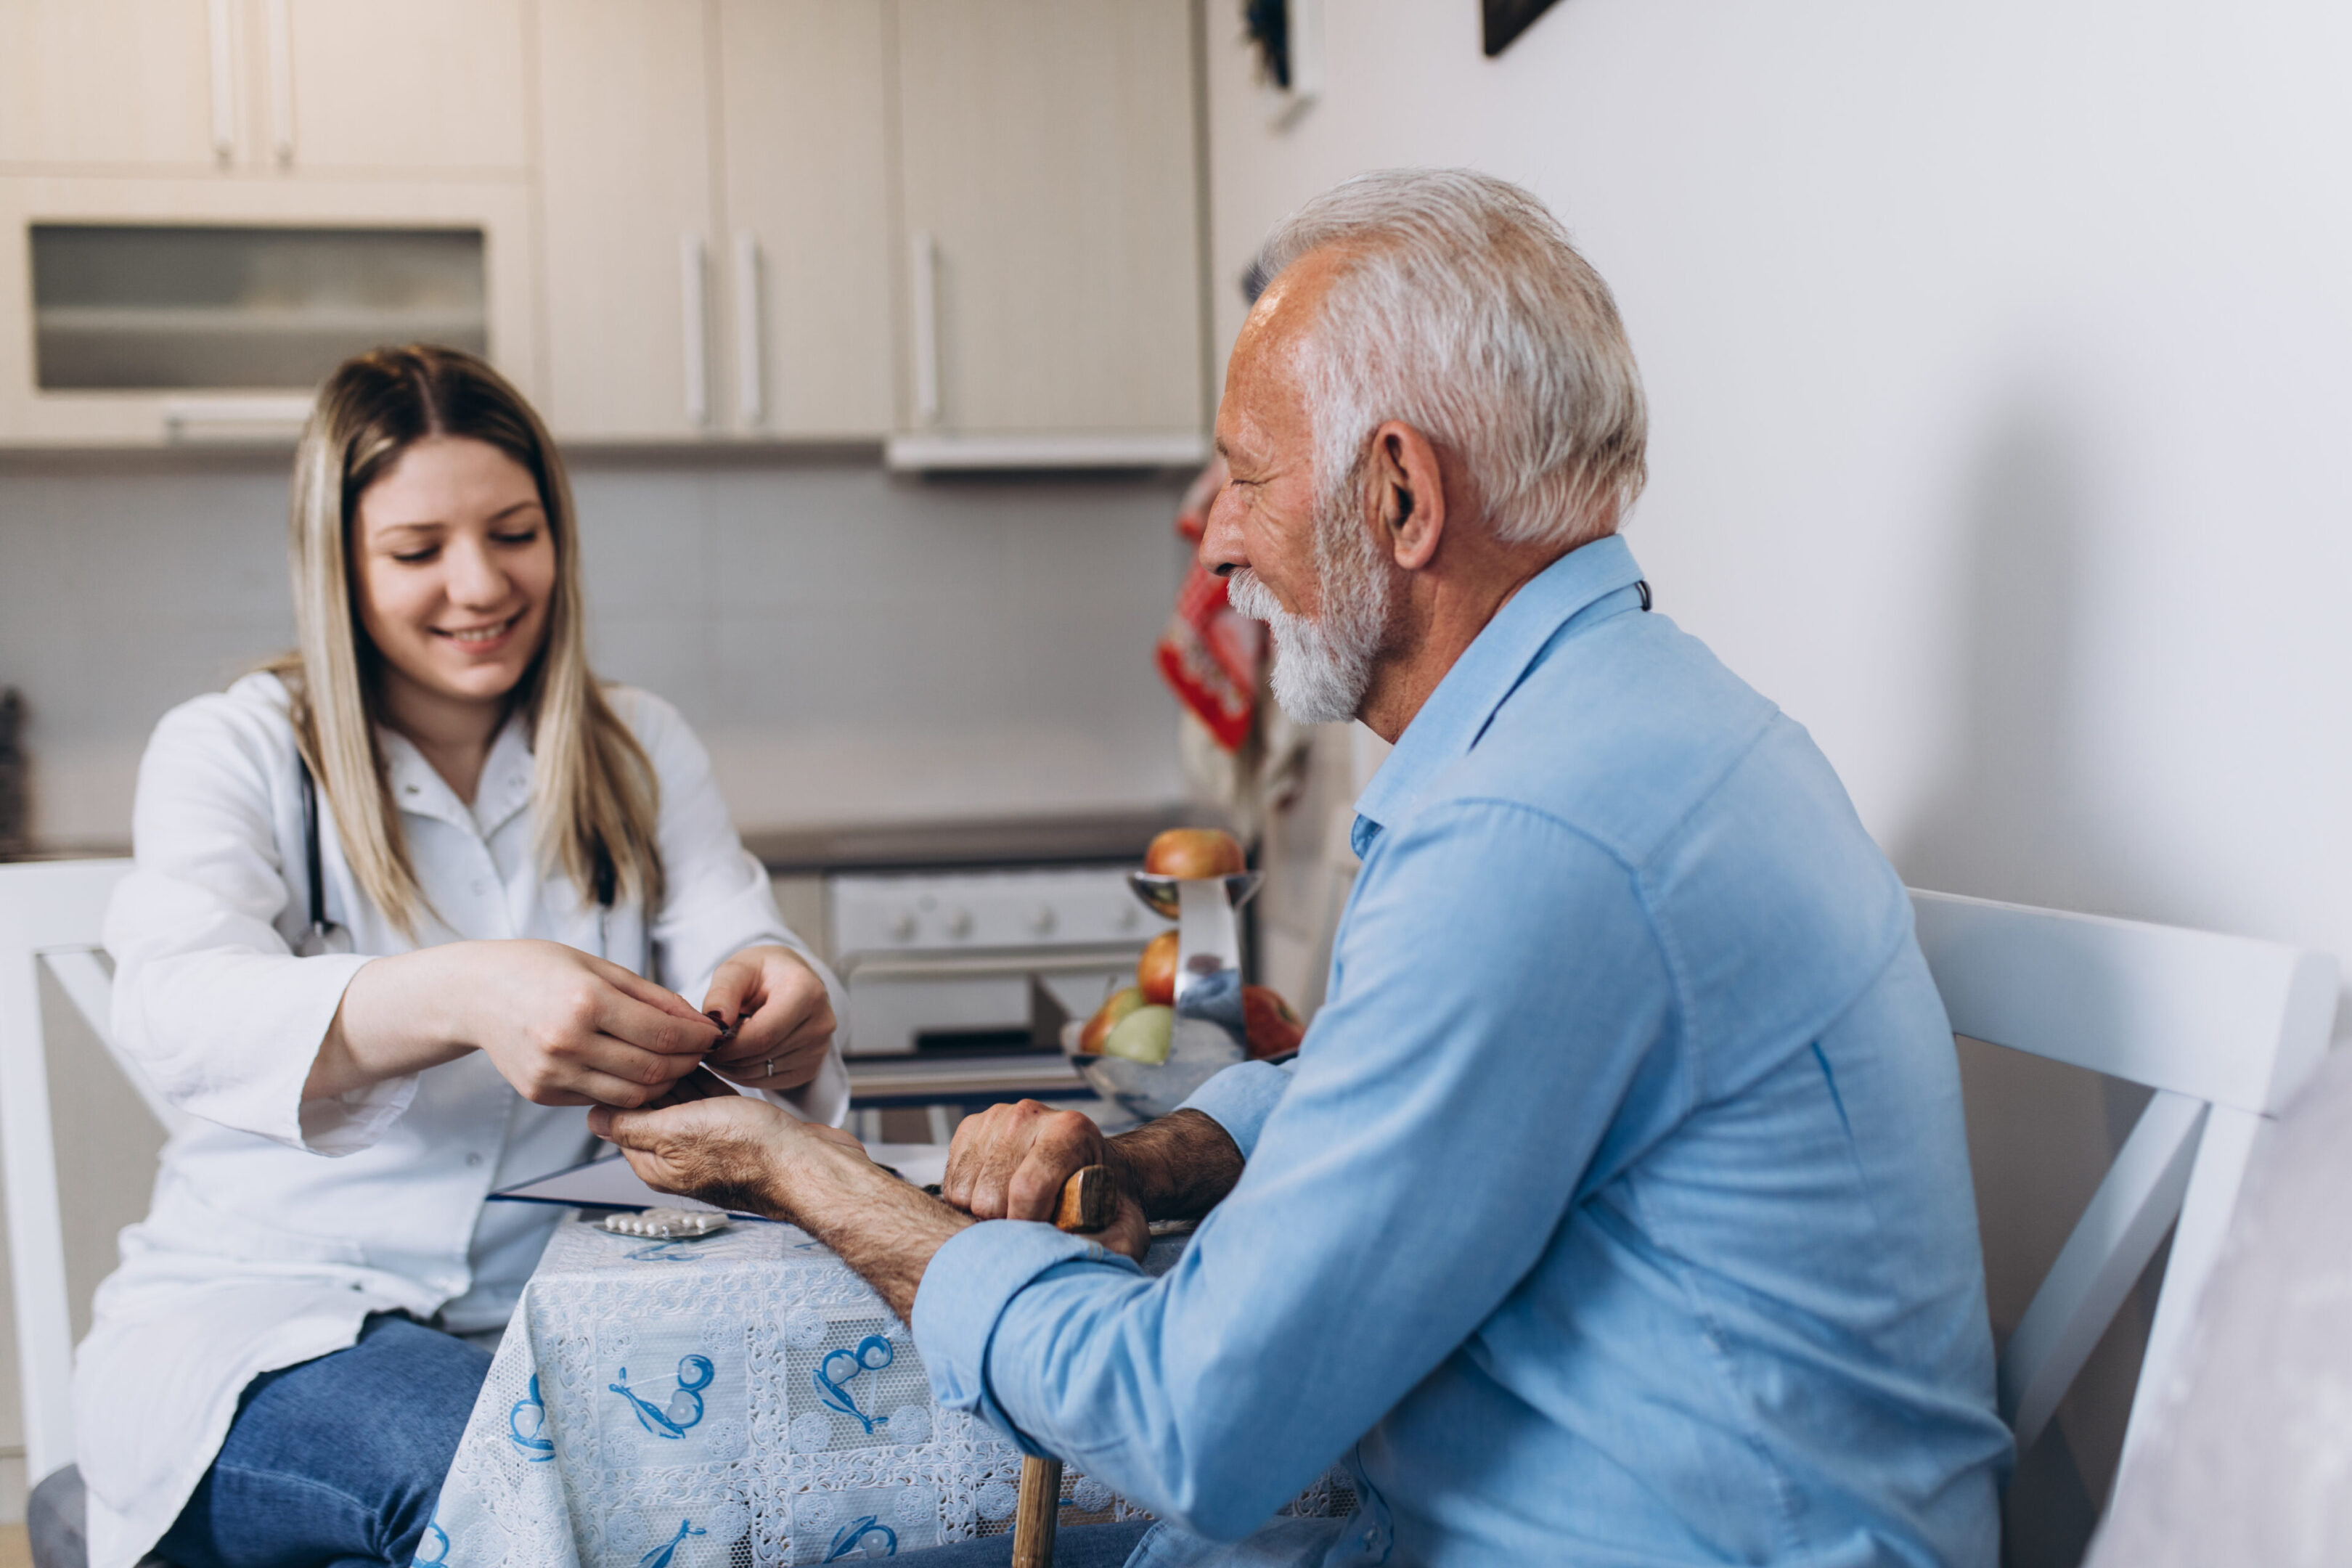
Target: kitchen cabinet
804	94
425	87
629	218
716	190
122	84
226	273
972	230
1050	201
288	87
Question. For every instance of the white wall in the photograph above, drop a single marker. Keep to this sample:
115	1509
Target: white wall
1995	355
850	645
2002	428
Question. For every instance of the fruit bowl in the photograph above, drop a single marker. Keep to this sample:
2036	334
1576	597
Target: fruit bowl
1159	893
1197	1050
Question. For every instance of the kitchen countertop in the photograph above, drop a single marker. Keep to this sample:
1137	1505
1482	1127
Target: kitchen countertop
1066	838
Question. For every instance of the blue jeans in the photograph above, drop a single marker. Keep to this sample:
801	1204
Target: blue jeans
337	1460
1075	1546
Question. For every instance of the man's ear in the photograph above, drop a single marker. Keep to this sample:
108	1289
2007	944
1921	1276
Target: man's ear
1408	494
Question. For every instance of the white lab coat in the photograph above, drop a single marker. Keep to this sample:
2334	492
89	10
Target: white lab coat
276	1228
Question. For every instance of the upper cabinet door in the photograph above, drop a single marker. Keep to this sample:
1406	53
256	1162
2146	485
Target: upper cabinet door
804	96
424	87
626	172
1051	210
144	85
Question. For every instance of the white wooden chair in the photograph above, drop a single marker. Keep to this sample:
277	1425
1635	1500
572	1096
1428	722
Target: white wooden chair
49	919
2224	1028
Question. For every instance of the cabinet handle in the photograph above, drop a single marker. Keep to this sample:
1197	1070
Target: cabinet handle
224	44
926	327
281	79
748	327
692	274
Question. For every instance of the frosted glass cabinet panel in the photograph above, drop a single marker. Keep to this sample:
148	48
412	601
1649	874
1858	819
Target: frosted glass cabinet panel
124	307
164	311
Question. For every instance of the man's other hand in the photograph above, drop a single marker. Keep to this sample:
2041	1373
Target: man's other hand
729	1150
1010	1162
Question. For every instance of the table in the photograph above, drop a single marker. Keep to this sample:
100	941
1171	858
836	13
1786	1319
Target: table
739	1401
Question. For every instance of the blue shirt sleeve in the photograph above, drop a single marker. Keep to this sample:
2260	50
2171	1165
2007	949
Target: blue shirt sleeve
1499	987
1240	1099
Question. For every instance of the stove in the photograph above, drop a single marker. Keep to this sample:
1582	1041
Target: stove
960	980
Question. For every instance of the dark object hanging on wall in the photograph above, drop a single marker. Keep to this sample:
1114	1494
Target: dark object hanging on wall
1505	20
1269	22
16	816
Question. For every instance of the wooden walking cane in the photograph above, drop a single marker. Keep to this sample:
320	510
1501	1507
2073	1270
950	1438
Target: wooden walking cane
1089	1202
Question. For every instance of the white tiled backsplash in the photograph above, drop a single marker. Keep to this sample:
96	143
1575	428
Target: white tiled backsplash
850	645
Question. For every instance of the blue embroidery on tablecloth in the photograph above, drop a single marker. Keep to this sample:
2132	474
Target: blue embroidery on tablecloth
664	1252
685	1406
838	1396
441	1539
535	1444
851	1536
660	1555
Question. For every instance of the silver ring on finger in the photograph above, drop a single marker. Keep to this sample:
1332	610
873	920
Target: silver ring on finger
770	1068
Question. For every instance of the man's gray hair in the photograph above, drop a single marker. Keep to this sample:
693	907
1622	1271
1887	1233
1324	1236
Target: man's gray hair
1461	309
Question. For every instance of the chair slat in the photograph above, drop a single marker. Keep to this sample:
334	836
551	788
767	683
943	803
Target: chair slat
42	905
2225	1019
2111	1244
82	973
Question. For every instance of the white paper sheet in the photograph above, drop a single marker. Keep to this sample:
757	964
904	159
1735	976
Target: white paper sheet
610	1183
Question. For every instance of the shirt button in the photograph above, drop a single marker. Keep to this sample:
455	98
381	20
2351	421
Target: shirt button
480	887
473	1159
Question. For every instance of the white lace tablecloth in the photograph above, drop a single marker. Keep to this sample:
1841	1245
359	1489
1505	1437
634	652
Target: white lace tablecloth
743	1399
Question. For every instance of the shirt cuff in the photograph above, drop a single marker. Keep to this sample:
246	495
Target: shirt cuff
1240	1099
966	1287
351	1122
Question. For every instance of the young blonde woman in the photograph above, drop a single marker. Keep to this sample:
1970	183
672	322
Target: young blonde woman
403	905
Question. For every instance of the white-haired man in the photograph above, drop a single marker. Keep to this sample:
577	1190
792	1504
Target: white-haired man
1616	1209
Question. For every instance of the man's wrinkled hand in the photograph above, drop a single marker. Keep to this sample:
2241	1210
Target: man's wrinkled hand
731	1151
1009	1162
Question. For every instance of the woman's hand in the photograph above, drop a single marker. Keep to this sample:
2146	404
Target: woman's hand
565	1028
783	1018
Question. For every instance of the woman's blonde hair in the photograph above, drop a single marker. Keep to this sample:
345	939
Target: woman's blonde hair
594	797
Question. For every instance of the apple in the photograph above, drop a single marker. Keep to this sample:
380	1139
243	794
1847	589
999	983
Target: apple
1143	1036
1191	854
1155	972
1273	1027
1107	1018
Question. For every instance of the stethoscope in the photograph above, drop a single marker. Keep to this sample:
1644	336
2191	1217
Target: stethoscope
324	936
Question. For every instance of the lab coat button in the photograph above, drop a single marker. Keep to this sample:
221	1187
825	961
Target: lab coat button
480	887
473	1160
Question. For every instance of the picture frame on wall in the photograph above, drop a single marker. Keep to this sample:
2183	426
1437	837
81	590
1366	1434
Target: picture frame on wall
1286	35
1506	19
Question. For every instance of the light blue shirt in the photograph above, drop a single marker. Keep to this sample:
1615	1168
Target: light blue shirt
1617	1210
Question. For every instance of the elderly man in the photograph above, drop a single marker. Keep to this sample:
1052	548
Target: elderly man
1616	1209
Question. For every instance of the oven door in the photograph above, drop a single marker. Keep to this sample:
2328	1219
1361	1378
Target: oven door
904	1004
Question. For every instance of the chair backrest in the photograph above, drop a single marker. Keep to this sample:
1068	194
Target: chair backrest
2224	1028
50	914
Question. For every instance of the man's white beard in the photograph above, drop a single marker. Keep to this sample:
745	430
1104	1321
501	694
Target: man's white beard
1323	664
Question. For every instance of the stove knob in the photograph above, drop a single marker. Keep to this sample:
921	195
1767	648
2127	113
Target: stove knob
902	926
958	922
1042	920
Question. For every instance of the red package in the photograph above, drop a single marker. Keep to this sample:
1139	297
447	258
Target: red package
1211	654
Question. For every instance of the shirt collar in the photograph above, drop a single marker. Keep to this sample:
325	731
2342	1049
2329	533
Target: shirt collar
417	786
1489	671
